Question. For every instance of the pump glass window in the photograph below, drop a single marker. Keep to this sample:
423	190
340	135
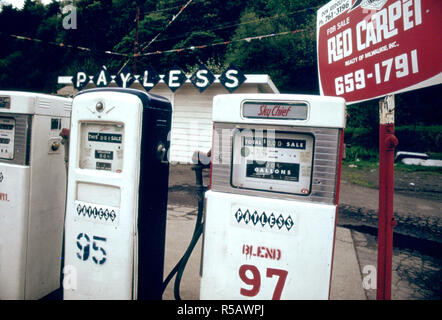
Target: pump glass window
7	132
272	161
101	146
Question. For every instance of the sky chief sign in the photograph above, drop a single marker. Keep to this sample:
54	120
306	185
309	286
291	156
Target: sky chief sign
372	48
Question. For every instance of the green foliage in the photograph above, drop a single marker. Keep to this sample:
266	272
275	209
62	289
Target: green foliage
357	153
211	64
411	138
289	59
104	25
363	115
365	137
188	57
419	138
399	166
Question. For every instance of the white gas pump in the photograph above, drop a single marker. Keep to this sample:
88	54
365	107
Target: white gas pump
32	193
117	195
271	212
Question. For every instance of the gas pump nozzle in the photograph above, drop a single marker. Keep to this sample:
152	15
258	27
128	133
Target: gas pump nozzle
64	134
201	161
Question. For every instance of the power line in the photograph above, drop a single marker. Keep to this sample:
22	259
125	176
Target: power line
164	9
178	50
227	26
247	39
139	53
63	45
143	47
167	26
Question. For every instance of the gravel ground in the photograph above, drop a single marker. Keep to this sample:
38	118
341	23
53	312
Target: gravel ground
419	184
416	266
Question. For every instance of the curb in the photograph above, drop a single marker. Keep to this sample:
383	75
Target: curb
426	228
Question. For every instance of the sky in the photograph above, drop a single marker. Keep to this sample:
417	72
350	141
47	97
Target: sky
19	3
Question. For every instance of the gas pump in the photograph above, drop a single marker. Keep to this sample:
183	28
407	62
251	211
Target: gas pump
270	214
117	194
32	193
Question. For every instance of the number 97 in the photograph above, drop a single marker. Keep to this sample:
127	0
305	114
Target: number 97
251	276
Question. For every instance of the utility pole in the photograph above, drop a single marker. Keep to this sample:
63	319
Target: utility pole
136	41
387	144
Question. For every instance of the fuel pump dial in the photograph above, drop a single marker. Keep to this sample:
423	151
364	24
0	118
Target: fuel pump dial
7	132
102	146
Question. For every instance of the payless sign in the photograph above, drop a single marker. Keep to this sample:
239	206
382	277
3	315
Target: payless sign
202	78
372	48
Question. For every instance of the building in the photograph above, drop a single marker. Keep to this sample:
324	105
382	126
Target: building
192	110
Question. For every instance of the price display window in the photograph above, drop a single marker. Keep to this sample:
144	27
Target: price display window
7	132
101	146
272	161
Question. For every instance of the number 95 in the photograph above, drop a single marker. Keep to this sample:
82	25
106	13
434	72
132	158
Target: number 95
83	243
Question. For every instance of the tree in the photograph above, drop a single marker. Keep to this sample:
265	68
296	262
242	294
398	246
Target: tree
289	59
23	64
110	25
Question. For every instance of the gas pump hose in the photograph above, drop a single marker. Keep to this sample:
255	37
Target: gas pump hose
198	230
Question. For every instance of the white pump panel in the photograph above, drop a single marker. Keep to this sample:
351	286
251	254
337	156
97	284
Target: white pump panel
103	181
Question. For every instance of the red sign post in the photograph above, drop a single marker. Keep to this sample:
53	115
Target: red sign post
371	49
386	222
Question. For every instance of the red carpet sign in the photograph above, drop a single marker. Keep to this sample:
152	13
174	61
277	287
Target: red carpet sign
372	48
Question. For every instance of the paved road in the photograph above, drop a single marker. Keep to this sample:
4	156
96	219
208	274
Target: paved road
416	268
